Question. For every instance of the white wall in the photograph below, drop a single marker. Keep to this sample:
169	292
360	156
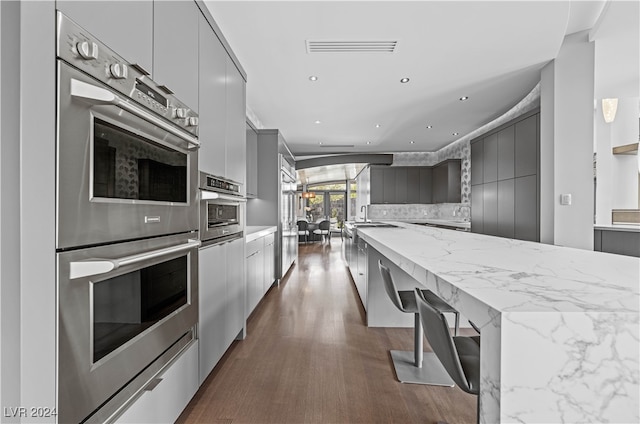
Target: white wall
571	143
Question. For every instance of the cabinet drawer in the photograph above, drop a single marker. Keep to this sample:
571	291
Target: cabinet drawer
254	246
269	239
166	401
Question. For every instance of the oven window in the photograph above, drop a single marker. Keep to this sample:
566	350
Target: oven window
221	214
128	166
125	306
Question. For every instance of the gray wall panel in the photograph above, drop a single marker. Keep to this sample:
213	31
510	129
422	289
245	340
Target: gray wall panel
526	147
401	185
413	185
490	156
477	208
426	175
477	162
506	140
490	208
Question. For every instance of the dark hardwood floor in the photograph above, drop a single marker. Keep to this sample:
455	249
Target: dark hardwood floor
309	358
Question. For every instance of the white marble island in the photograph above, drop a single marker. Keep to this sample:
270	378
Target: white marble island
560	329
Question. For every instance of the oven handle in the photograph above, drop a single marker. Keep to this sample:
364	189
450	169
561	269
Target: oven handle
91	267
102	96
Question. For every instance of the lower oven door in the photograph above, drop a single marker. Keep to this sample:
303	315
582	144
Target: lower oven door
120	308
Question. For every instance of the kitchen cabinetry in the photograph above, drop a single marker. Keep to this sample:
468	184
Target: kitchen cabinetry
617	241
222	110
221	297
260	269
361	273
175	48
252	162
235	137
446	182
416	184
504	180
165	401
131	37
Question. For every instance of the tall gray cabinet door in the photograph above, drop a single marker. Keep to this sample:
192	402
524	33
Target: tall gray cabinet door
235	289
401	191
477	208
426	194
439	183
506	208
526	208
454	183
126	27
175	48
236	150
490	156
252	162
526	146
490	209
377	183
477	162
389	186
506	143
212	100
413	184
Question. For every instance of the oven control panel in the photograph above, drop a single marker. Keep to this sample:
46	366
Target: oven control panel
213	183
83	51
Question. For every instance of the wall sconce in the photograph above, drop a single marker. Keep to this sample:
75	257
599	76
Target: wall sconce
308	195
609	108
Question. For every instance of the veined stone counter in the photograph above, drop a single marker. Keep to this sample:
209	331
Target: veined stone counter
560	327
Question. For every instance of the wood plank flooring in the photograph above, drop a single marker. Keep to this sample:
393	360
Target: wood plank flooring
309	358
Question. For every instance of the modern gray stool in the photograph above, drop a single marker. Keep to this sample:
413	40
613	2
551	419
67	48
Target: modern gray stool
459	355
415	367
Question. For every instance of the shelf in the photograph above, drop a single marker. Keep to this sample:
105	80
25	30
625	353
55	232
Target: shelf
628	149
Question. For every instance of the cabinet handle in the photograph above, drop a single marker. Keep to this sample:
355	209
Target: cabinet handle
152	384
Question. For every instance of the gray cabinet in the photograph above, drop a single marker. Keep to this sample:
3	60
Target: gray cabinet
235	137
221	301
618	242
212	297
506	208
426	175
175	48
506	148
446	182
260	269
416	184
252	162
124	26
526	146
490	159
490	209
526	225
477	209
212	100
504	180
477	162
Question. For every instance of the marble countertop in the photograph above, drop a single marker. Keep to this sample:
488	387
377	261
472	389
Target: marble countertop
619	227
255	232
513	275
560	326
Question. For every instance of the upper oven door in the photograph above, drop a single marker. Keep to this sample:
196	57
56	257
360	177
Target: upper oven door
122	172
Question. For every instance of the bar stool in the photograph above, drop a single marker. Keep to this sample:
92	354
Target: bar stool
422	368
459	355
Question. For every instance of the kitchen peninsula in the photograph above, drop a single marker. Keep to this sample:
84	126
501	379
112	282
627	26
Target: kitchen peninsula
559	326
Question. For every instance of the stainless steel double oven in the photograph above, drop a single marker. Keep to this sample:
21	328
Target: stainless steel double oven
127	228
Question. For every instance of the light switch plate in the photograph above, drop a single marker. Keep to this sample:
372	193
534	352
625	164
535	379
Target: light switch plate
565	199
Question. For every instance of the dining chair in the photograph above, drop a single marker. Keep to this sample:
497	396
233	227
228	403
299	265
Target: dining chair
303	230
324	230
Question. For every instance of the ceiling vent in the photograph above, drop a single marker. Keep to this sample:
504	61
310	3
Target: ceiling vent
351	46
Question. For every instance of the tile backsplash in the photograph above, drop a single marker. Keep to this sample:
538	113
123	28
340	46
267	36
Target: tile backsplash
418	211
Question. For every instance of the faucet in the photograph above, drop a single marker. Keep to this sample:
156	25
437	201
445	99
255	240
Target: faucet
364	208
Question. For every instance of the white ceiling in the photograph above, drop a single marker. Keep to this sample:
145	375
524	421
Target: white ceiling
489	51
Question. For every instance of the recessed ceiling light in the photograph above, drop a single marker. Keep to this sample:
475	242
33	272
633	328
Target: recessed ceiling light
317	122
429	127
368	142
319	142
463	98
404	80
412	142
455	133
378	125
313	78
